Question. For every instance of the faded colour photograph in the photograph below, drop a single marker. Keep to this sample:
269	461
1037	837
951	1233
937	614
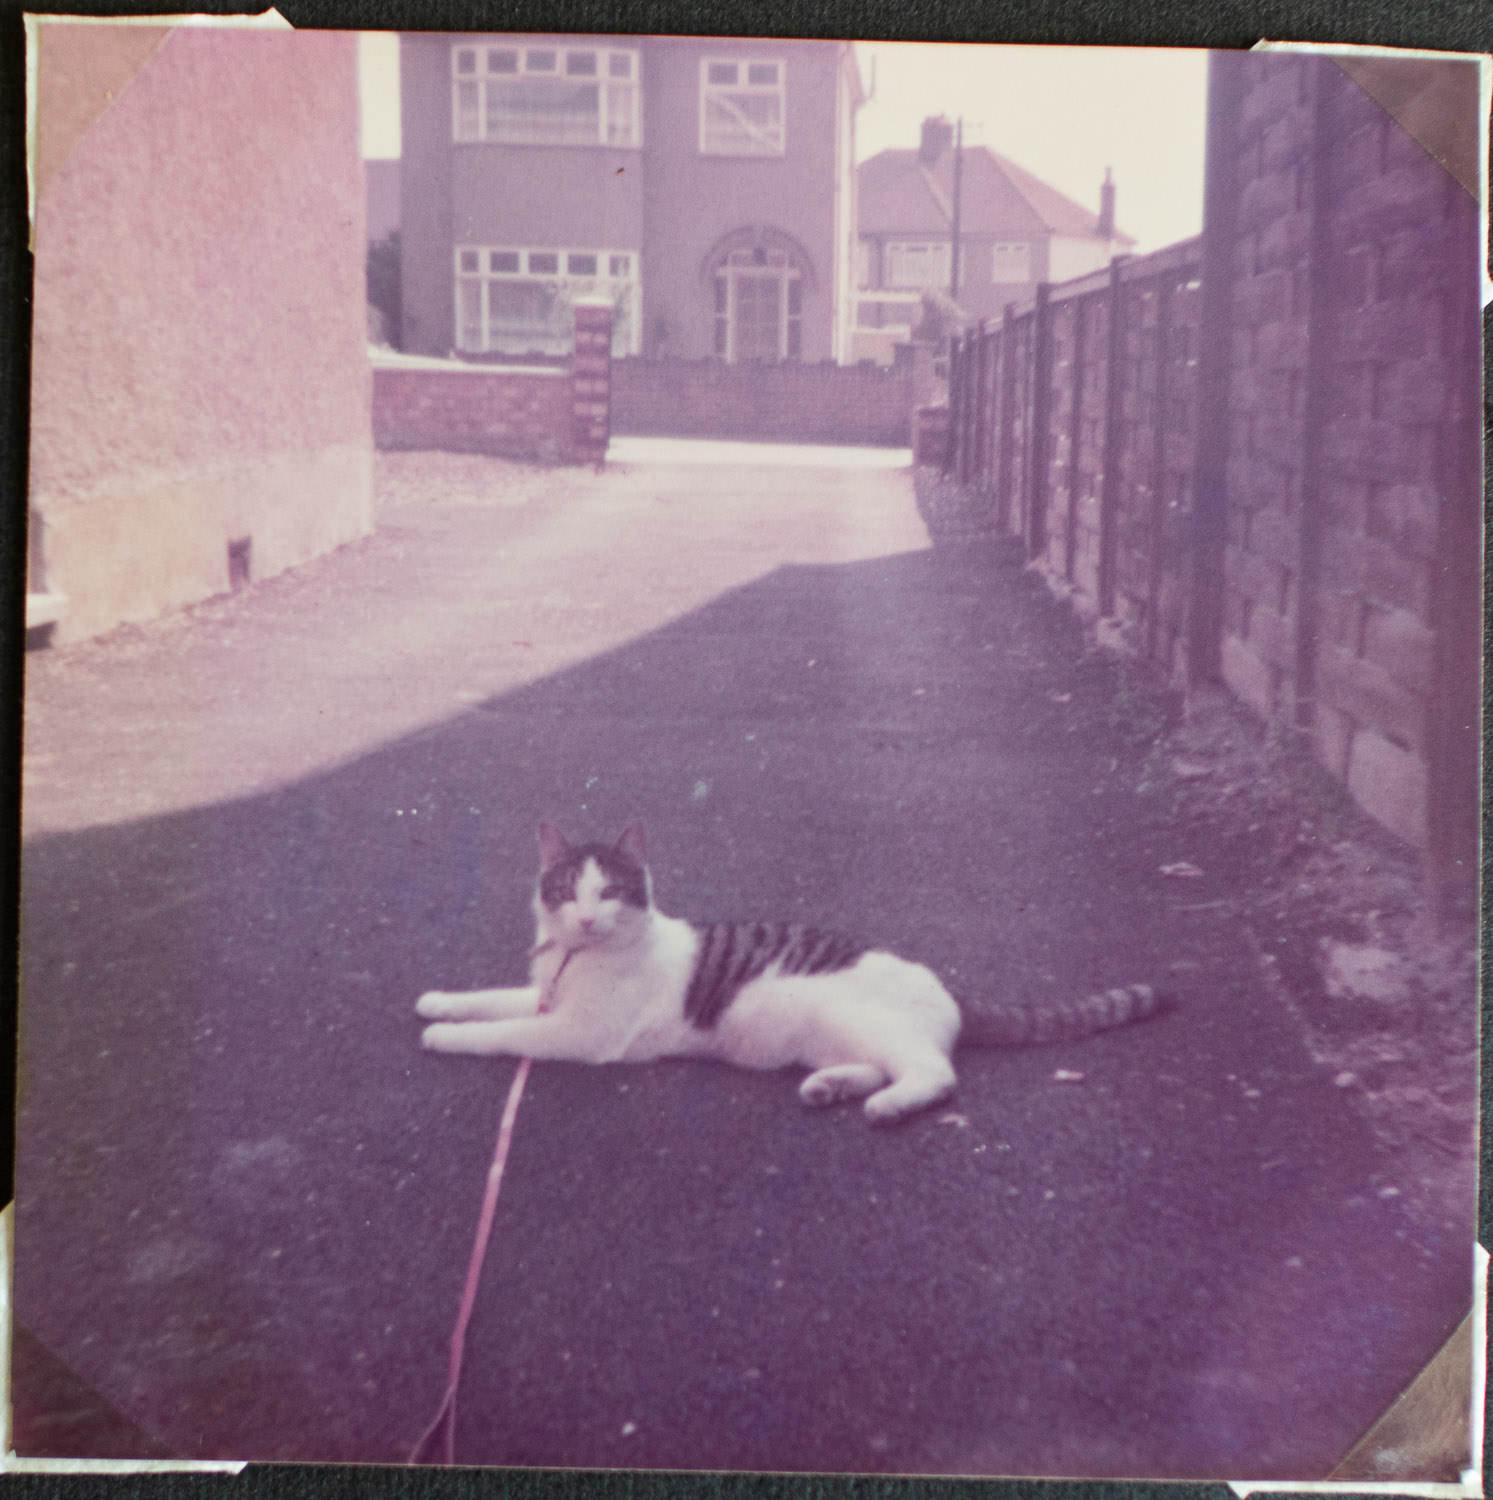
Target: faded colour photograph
750	755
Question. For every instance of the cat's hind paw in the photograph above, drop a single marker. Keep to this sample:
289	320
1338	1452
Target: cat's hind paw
909	1094
880	1113
816	1093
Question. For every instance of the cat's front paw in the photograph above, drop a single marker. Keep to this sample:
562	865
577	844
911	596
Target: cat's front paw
433	1005
444	1036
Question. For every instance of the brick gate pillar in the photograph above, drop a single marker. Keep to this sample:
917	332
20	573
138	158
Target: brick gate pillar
591	380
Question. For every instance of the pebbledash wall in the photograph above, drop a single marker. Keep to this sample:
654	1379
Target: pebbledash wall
548	413
200	386
1261	454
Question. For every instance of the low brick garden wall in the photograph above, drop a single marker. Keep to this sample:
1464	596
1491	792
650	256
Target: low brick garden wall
514	411
788	402
545	413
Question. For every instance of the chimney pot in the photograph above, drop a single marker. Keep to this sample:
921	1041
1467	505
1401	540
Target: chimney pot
1106	226
938	135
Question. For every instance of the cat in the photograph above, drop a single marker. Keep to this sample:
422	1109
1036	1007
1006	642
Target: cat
615	980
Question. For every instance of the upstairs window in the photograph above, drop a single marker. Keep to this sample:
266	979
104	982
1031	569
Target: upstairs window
545	96
742	106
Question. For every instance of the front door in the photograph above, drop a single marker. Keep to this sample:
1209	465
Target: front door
758	315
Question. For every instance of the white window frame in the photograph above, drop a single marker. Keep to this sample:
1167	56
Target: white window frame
897	254
615	71
750	140
740	265
865	259
1009	247
616	275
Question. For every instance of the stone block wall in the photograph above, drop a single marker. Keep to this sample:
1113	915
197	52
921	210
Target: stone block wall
1268	271
1074	418
1260	454
1352	525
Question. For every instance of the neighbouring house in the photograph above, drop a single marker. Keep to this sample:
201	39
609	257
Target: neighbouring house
705	185
200	391
383	197
382	183
1014	232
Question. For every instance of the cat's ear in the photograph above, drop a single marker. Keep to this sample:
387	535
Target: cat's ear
633	844
553	846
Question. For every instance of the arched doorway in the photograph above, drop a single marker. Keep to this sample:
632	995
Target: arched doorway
759	278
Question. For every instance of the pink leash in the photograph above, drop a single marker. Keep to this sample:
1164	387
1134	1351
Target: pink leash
445	1417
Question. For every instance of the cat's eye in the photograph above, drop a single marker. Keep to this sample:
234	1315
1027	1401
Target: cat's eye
611	892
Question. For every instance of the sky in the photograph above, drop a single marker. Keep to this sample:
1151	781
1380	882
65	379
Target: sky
1063	113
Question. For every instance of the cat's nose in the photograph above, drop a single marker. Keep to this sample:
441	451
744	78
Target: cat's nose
586	923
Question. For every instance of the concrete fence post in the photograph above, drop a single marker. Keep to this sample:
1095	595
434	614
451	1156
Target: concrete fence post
1075	439
1114	415
1005	420
1322	270
1038	442
1210	500
591	380
956	394
982	407
1156	522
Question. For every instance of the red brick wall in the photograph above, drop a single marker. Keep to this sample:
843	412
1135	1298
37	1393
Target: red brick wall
518	413
790	402
548	413
591	381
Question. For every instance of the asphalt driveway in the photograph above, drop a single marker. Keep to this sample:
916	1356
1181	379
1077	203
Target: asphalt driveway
258	831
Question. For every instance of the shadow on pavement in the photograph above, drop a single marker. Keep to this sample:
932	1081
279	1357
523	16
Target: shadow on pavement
245	1196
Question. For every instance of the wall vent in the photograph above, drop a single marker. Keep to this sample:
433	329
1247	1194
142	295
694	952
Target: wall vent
238	562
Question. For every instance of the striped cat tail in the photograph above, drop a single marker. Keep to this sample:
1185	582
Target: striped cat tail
1026	1026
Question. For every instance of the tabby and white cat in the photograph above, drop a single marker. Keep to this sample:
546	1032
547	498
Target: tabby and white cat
615	980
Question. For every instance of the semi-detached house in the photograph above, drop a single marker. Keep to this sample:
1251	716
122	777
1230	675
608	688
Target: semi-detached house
1015	230
706	185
